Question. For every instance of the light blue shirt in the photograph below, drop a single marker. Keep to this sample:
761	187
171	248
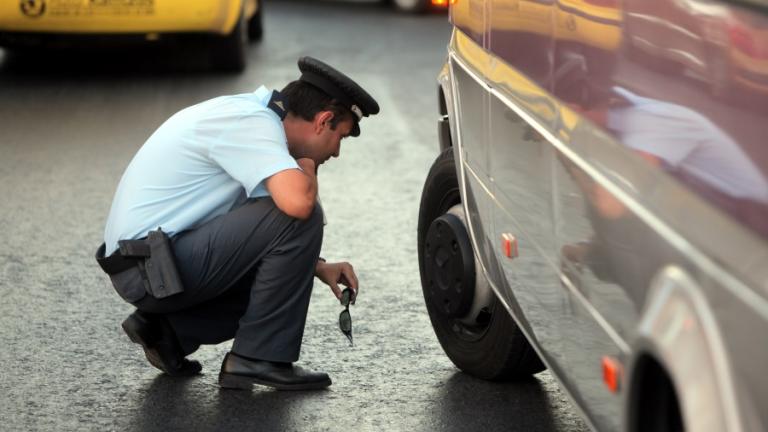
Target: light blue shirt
197	164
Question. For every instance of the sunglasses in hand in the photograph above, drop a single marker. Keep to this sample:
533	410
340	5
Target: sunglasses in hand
345	319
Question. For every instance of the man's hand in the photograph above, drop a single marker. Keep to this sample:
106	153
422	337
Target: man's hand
333	274
308	166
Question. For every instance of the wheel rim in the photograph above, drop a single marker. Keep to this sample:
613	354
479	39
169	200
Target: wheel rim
472	333
450	266
462	327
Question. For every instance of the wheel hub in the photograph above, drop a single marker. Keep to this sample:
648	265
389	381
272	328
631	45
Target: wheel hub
450	266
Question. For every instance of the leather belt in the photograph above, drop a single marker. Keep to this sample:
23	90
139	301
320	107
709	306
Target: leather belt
126	257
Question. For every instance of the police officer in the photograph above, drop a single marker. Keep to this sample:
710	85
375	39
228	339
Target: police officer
214	231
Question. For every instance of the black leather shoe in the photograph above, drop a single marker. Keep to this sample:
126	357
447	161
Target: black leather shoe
156	336
241	373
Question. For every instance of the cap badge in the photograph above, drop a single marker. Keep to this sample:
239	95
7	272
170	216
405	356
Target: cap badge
359	113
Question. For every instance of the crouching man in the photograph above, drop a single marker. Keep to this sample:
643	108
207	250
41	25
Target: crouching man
214	231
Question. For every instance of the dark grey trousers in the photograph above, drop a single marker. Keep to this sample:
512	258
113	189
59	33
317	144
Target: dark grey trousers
247	274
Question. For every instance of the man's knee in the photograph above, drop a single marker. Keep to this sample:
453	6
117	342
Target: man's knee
310	230
314	219
266	207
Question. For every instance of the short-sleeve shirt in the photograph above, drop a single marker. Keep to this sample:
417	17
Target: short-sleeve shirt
197	164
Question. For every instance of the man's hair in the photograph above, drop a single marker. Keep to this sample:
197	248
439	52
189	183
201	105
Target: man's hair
306	100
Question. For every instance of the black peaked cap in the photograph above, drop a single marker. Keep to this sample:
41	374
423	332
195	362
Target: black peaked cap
340	87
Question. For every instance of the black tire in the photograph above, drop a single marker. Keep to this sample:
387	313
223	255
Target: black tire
229	53
495	350
256	24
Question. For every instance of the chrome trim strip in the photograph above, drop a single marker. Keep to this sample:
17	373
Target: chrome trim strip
602	322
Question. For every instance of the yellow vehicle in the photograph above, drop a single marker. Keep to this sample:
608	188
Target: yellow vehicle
230	23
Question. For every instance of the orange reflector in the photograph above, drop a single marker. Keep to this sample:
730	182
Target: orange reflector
442	2
612	372
509	245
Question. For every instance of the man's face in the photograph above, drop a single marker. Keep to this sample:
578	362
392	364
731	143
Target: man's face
327	142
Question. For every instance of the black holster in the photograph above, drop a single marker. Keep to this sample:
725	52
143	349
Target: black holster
154	258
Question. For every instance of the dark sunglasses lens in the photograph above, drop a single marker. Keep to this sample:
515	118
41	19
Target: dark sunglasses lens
345	321
346	296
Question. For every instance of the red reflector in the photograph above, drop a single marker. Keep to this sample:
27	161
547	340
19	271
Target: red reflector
509	245
612	372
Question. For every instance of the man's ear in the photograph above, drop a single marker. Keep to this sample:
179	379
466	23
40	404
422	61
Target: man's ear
322	119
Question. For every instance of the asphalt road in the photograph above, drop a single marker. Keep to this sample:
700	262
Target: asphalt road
70	123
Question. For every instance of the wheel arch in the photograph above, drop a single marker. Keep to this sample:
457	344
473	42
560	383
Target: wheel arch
446	121
678	338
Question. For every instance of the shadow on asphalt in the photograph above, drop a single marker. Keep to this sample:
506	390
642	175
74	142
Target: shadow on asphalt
174	404
517	406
